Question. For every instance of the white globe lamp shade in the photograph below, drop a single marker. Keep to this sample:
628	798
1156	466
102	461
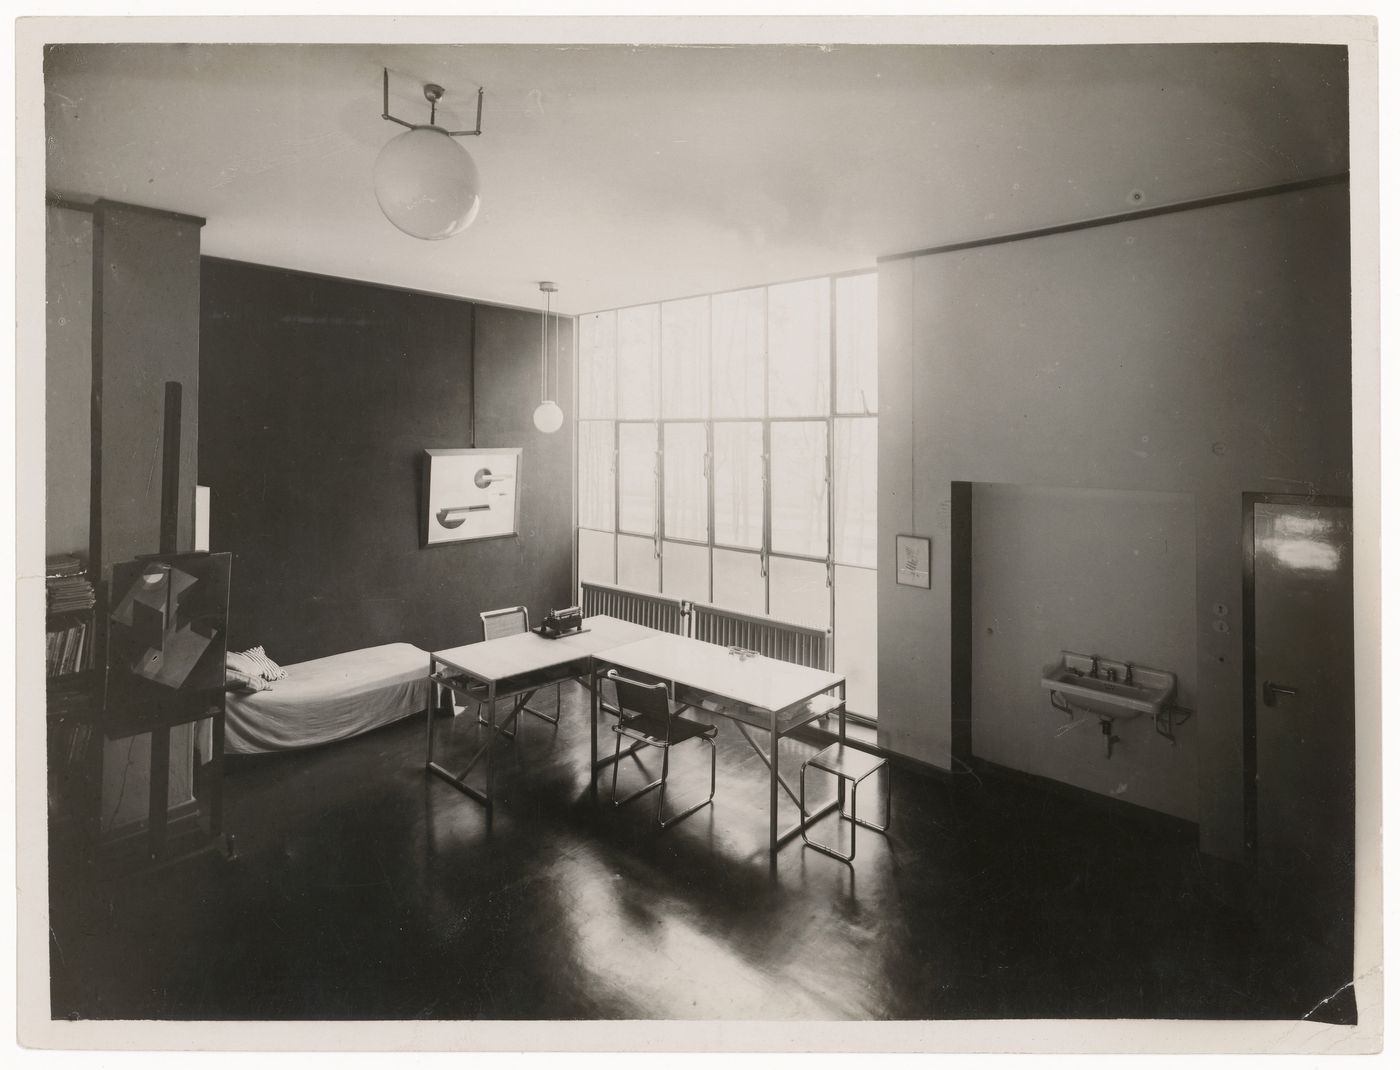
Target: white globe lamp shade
427	184
549	417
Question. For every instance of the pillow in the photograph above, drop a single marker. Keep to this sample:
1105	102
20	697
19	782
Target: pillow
263	665
243	664
237	680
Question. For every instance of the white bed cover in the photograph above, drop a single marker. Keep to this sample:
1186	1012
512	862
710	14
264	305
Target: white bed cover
328	699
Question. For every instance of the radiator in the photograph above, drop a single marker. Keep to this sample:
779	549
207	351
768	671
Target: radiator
650	610
768	636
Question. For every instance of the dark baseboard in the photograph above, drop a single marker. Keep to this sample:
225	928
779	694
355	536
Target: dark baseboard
1163	824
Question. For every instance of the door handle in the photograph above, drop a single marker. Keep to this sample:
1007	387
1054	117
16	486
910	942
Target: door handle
1273	690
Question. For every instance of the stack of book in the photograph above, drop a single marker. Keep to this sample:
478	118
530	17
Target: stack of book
69	591
68	585
68	649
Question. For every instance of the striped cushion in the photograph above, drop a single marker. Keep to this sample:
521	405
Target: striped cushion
263	665
238	680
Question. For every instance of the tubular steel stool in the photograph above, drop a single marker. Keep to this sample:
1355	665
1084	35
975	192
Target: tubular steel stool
844	763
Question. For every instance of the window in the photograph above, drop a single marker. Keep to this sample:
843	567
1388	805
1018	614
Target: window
727	450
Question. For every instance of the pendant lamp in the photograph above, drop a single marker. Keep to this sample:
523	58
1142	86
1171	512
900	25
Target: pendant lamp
426	183
549	417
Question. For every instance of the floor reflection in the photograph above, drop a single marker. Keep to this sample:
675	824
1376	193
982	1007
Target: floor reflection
363	889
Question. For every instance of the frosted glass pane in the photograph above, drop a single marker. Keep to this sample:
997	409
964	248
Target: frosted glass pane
857	647
857	502
636	563
636	362
685	358
685	571
687	493
636	478
595	474
738	472
799	348
798	488
595	557
797	592
738	582
857	354
736	349
597	366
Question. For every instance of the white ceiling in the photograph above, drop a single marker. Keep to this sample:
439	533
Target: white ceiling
630	174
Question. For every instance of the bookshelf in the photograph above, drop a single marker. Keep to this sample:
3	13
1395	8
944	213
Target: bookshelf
71	620
73	700
91	703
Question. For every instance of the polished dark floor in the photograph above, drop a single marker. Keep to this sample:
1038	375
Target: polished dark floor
362	889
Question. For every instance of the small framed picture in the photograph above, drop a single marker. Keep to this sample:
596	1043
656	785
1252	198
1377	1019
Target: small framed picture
911	560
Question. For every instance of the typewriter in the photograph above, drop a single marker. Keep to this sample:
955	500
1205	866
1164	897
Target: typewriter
559	622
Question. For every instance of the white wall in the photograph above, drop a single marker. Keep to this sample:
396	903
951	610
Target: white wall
1111	573
68	381
1205	352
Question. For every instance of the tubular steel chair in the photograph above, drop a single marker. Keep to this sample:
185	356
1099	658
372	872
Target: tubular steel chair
498	623
646	717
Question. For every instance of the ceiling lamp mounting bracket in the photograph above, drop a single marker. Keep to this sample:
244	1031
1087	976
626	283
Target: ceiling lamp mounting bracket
425	180
433	92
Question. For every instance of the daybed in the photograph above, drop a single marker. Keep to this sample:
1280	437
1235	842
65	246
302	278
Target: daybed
329	699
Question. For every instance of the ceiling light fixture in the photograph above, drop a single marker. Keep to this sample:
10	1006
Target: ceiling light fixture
426	183
549	417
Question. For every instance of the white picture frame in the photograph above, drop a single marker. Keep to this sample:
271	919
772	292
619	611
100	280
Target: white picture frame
912	554
470	494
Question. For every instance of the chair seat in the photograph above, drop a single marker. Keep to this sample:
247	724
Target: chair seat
652	728
846	761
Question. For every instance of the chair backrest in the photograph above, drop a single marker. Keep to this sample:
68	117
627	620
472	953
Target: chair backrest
768	636
497	623
650	610
638	699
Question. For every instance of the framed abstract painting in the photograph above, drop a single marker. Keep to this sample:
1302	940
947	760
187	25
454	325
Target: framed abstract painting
470	494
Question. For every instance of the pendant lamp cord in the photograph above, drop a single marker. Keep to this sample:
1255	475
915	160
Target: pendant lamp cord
544	352
913	408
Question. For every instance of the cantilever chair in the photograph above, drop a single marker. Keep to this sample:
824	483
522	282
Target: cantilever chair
646	716
498	623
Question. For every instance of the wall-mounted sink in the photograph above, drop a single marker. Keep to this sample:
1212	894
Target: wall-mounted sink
1108	689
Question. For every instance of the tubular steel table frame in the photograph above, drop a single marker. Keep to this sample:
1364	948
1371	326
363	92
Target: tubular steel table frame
721	696
718	687
551	661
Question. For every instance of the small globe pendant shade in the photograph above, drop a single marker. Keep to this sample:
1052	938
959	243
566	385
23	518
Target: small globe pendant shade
549	417
427	184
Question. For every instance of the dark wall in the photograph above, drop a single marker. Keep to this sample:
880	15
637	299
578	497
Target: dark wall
317	399
507	390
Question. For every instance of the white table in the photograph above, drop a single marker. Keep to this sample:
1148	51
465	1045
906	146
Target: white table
754	691
513	666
